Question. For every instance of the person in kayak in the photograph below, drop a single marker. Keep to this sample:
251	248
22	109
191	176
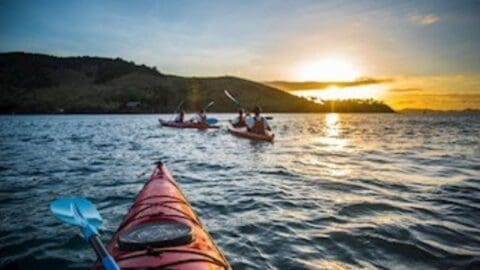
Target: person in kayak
257	124
200	117
180	117
240	120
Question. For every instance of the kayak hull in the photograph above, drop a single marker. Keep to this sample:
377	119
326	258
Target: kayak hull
161	200
242	132
173	124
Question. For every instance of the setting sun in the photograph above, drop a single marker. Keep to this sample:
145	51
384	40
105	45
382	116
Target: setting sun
330	69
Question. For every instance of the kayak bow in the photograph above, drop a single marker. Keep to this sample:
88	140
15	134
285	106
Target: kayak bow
161	231
173	124
242	132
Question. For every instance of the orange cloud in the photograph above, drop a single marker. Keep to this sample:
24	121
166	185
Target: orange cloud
313	85
404	90
443	92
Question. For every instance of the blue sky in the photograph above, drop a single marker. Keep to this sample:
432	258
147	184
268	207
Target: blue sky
262	40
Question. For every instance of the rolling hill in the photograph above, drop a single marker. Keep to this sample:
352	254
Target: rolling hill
37	83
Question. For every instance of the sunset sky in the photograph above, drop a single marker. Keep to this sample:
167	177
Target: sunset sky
426	53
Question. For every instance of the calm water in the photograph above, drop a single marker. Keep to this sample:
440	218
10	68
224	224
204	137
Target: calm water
333	191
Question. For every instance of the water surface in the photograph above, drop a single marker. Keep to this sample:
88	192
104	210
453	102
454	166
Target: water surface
386	191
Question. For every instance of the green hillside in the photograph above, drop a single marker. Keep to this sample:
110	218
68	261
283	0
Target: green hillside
35	83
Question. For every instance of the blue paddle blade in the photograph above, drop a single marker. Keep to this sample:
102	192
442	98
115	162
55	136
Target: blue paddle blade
76	211
83	213
212	121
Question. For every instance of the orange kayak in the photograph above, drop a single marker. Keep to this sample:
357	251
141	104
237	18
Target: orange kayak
242	132
173	124
161	231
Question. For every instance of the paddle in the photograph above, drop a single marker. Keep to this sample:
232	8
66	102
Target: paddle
210	104
178	108
83	213
232	98
211	121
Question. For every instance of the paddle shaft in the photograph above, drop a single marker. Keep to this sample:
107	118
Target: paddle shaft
177	109
98	246
102	253
209	105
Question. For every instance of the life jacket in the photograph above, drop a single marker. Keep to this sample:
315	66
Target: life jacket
179	118
240	122
203	118
258	127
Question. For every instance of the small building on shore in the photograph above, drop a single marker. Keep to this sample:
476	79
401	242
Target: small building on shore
133	104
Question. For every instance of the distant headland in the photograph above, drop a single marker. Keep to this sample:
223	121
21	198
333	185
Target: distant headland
37	83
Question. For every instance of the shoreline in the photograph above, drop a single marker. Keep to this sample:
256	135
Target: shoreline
167	113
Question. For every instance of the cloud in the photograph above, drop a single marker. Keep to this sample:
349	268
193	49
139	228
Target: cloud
458	97
312	85
405	90
424	19
408	101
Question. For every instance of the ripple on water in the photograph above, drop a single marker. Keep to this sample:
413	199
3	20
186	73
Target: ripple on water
333	192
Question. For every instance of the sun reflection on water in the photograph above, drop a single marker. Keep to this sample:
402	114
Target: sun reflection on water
328	264
332	146
331	122
332	132
330	149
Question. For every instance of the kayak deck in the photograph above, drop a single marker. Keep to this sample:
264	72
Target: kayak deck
242	132
173	124
162	202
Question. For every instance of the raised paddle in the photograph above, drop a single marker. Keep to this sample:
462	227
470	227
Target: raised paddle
83	213
179	105
210	104
177	109
232	98
210	121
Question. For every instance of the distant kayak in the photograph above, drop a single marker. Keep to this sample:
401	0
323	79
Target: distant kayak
173	124
242	132
161	231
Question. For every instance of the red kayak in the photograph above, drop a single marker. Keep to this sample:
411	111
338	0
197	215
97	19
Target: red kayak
161	231
242	132
173	124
